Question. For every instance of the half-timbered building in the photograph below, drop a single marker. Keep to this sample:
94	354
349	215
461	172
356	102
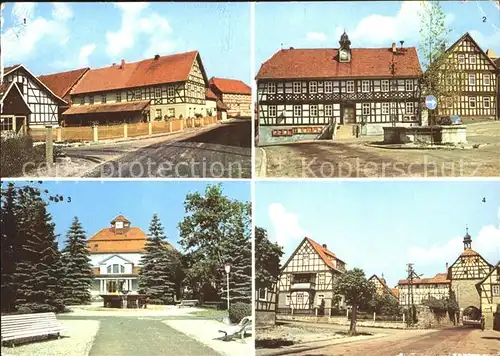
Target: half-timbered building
15	111
43	103
235	94
381	286
416	290
307	278
468	269
476	78
265	306
303	93
489	292
158	88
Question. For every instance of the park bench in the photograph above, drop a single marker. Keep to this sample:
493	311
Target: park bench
243	327
212	305
22	327
188	303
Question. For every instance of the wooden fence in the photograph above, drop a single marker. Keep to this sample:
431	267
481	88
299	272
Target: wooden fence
109	132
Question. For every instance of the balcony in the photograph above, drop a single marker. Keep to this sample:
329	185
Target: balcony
303	286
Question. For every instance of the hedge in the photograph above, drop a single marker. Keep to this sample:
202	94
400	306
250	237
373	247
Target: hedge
238	311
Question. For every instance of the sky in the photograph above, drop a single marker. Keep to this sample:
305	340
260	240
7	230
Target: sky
380	226
96	203
65	36
368	24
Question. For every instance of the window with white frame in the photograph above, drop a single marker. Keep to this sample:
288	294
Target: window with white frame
385	85
495	290
321	278
6	124
385	108
328	87
486	79
103	99
449	102
313	87
272	110
366	109
262	293
409	85
486	102
297	87
157	92
472	102
472	59
305	260
472	79
300	297
287	300
115	269
328	110
118	97
158	113
365	86
271	88
461	58
138	94
170	92
350	86
409	108
297	110
314	110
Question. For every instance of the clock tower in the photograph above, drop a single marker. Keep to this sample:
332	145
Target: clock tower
467	240
345	48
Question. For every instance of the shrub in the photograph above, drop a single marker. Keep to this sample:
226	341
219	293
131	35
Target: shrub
198	116
24	310
238	311
15	152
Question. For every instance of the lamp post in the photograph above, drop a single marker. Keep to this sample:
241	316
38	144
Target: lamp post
227	268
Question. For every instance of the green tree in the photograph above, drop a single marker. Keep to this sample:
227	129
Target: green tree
384	304
267	260
215	231
442	77
157	275
357	291
10	246
77	274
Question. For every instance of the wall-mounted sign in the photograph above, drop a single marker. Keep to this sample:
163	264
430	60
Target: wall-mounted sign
283	132
314	130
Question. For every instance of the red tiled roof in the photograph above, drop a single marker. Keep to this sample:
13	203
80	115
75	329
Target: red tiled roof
323	63
395	291
232	86
61	83
106	240
3	88
138	105
439	278
165	69
209	94
324	253
9	68
469	252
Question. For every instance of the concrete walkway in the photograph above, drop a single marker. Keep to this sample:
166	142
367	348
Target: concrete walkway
206	332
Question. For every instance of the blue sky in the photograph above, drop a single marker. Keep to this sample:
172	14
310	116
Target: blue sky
96	203
64	36
381	226
368	24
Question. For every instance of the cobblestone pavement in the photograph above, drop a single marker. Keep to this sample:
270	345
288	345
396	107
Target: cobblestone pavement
446	342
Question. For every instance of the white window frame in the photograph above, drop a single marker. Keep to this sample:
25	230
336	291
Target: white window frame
288	300
170	92
316	109
321	278
472	102
486	99
313	85
158	113
486	78
118	97
297	110
328	87
349	84
271	88
461	59
473	77
297	85
363	88
301	295
409	108
386	106
409	85
383	86
364	107
265	294
157	92
329	110
471	57
495	290
272	110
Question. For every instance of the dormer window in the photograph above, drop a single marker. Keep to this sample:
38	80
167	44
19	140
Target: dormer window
119	225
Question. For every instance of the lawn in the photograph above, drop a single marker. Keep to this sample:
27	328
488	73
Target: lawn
211	313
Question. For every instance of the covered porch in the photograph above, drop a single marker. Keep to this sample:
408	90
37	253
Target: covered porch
116	285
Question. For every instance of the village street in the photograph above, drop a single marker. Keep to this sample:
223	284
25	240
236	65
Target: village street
451	341
358	159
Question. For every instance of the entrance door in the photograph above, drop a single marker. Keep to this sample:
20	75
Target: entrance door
349	115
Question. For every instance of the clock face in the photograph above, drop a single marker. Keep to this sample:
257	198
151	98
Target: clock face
343	55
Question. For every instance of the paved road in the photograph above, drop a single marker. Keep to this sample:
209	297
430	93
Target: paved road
445	342
222	152
129	336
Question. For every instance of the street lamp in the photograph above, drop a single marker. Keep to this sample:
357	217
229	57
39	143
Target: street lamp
227	268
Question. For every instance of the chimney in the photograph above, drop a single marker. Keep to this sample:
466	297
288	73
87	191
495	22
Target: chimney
114	64
324	246
123	64
291	48
157	56
394	49
446	266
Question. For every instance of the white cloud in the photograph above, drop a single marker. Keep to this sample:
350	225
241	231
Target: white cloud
486	42
20	40
486	243
85	52
316	36
286	225
153	28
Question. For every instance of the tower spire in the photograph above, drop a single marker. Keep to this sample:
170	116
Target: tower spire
467	239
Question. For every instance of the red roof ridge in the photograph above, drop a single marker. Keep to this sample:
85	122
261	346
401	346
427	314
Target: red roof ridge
66	71
146	59
323	253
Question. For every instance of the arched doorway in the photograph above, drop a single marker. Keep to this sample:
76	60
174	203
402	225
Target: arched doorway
471	314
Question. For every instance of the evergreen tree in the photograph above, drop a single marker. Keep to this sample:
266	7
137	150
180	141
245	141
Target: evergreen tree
157	273
267	260
77	277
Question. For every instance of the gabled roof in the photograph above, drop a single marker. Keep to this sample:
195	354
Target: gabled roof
153	71
128	106
440	278
115	255
320	63
384	284
468	36
61	83
120	218
8	70
210	95
496	267
230	86
5	88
